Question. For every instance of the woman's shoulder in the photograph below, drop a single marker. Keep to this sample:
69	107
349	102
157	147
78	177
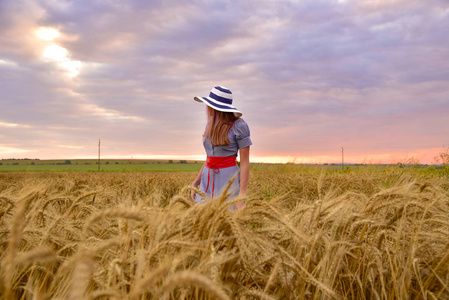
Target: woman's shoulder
241	128
240	123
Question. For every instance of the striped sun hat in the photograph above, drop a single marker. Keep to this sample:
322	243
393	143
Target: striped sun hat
220	98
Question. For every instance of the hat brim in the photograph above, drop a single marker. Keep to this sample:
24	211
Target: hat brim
218	106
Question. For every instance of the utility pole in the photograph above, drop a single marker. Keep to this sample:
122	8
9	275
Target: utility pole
98	155
342	158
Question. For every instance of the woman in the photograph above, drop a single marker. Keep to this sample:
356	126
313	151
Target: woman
224	136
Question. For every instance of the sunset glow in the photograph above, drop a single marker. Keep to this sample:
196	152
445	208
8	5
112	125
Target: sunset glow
55	52
48	34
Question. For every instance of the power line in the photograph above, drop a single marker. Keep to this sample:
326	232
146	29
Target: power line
98	154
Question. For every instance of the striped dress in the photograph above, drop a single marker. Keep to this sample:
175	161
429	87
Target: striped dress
239	137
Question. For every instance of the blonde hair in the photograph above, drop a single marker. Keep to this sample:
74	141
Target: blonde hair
218	125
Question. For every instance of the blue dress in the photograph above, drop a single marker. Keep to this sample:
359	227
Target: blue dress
239	137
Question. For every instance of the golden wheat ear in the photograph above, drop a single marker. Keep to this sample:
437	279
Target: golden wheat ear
119	213
180	199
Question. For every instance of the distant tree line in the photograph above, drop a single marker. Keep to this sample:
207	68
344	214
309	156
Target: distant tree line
20	159
181	161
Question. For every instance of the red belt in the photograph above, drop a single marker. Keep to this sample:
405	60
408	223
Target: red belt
215	163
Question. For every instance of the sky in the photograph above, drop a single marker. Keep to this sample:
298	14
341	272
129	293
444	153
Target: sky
310	76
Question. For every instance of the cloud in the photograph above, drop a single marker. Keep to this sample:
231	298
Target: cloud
3	124
309	76
4	151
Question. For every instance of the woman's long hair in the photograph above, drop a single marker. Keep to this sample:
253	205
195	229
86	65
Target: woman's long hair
218	125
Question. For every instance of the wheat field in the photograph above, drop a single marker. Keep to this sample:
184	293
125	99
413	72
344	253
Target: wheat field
305	233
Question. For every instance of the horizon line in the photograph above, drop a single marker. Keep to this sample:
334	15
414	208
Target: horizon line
180	158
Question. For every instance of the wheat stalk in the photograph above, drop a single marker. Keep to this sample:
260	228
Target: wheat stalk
17	224
187	278
43	254
80	276
150	280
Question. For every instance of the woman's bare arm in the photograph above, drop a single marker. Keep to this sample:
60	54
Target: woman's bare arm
244	175
196	182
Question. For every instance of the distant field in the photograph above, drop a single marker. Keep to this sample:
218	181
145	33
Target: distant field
146	165
109	165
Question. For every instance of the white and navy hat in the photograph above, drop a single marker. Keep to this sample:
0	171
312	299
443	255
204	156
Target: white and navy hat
220	98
